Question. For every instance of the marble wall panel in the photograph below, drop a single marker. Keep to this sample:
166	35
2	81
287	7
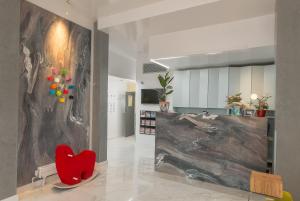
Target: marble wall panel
47	41
221	151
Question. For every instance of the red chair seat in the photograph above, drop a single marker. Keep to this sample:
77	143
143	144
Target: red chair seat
72	168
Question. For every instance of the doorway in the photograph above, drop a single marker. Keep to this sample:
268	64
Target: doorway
130	114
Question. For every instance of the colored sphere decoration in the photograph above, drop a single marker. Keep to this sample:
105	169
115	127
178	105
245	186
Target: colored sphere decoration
58	93
58	84
62	100
55	71
50	78
52	92
68	78
64	72
57	80
66	91
53	86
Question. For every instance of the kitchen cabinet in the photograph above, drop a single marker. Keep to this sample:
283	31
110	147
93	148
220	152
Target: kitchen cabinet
181	93
213	88
210	87
198	88
203	90
223	87
194	88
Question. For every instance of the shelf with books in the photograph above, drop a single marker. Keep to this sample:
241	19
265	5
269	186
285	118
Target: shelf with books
147	122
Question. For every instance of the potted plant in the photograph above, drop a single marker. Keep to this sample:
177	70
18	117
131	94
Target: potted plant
234	104
167	89
262	106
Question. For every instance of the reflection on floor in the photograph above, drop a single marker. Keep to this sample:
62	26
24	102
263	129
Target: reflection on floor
130	176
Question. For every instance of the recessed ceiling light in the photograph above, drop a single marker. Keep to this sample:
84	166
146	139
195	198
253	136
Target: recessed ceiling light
179	57
213	53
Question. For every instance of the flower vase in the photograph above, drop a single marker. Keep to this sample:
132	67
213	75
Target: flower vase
236	111
164	106
261	113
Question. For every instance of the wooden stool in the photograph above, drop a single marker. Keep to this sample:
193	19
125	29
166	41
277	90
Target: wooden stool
266	184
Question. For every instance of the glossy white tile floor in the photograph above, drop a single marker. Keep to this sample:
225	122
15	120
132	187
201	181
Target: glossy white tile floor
130	176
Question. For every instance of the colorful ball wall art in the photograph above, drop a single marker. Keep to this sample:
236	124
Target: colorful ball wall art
59	84
52	92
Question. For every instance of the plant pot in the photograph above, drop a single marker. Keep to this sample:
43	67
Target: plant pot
261	113
164	106
236	111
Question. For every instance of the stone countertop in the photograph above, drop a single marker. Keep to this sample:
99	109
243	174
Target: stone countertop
221	151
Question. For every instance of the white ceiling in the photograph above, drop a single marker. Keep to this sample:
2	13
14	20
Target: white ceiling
149	10
239	57
137	33
209	14
219	12
111	7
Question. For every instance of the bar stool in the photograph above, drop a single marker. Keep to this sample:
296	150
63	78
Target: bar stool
266	184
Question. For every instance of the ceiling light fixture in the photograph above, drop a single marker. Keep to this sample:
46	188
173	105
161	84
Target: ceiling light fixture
213	53
179	57
160	64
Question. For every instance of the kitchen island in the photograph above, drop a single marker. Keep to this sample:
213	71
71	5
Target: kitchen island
222	151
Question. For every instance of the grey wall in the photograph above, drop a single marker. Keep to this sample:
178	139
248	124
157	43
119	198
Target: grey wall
288	96
100	94
9	76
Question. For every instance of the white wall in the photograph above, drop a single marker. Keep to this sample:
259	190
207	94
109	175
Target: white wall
121	66
146	81
249	33
122	53
117	88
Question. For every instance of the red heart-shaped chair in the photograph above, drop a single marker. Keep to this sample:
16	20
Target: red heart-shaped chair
72	168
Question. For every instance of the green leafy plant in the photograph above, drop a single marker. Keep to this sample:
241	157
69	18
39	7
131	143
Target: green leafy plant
234	100
165	82
262	103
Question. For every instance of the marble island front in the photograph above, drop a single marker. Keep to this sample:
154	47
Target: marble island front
222	151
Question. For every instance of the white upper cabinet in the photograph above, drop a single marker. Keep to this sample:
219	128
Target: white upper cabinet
213	88
258	80
194	88
203	90
246	83
218	87
269	84
234	81
209	88
181	93
223	87
198	88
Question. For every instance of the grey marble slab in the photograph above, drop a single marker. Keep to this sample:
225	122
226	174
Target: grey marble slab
221	151
46	41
